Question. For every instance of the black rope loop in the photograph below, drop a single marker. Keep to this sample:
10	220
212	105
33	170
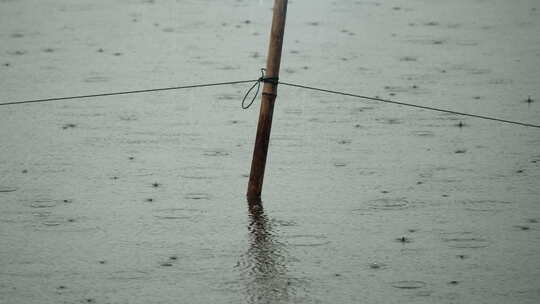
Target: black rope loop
263	78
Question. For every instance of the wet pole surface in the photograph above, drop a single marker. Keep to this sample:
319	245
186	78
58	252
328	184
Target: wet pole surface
269	95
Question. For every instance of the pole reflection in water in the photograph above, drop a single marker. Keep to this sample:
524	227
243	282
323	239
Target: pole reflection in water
264	268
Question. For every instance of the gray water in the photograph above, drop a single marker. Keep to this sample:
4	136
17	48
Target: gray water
140	198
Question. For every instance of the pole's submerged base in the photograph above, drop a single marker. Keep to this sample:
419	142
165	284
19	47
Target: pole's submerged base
256	210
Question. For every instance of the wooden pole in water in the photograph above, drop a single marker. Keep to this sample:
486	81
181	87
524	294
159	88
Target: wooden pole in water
268	99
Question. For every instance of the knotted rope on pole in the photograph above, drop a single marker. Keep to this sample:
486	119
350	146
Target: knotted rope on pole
257	84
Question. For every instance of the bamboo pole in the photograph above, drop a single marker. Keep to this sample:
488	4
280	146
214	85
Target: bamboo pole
268	99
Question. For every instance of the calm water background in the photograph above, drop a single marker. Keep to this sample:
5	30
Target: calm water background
140	199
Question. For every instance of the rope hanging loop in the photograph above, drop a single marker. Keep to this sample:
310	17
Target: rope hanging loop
257	84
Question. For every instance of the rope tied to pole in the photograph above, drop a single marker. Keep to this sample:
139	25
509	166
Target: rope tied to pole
275	81
257	84
191	86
